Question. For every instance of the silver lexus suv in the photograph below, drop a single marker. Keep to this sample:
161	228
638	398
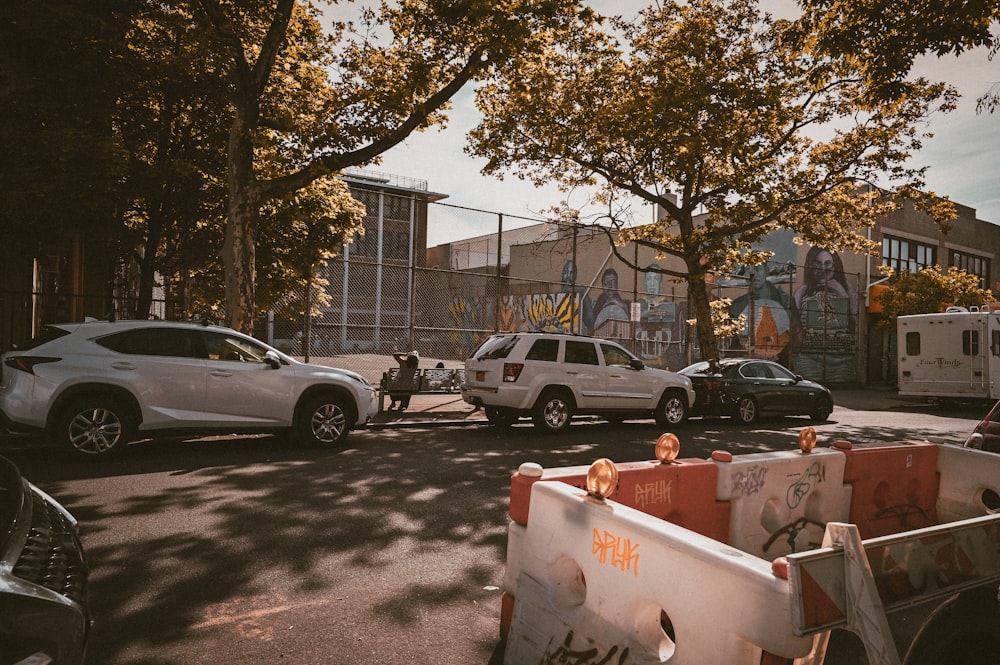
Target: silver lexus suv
97	385
552	376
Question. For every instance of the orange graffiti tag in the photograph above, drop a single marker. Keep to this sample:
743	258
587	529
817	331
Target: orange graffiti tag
621	553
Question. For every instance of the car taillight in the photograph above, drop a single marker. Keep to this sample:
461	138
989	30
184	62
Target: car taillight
713	384
27	363
511	371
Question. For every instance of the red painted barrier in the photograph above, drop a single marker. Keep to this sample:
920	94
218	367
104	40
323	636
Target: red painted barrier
681	492
895	486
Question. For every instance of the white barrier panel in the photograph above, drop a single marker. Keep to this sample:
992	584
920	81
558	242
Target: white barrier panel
596	577
967	478
781	501
515	548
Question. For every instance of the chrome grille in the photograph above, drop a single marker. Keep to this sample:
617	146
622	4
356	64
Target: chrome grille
52	556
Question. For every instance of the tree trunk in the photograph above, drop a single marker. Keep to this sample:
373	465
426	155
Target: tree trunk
698	298
239	250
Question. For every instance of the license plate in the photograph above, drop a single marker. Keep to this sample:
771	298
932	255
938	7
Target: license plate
480	376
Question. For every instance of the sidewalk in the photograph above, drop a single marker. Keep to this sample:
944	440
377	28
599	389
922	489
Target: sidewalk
451	410
436	409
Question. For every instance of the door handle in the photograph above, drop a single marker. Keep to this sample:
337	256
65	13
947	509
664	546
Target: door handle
122	365
220	373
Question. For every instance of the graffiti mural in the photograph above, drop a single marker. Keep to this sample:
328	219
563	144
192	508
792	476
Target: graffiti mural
827	306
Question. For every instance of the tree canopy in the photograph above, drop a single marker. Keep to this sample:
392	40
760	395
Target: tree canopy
713	112
369	84
929	290
880	40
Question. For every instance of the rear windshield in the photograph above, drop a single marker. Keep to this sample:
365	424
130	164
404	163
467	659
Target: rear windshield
496	348
47	334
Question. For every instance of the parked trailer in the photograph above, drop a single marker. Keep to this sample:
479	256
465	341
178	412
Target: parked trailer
755	559
955	353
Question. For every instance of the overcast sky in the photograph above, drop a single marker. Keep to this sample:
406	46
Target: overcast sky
964	155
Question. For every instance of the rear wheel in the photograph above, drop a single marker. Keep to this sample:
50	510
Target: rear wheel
672	410
553	411
822	409
324	421
746	410
95	426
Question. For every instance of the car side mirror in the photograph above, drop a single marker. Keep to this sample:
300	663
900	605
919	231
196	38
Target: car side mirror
635	363
798	378
272	359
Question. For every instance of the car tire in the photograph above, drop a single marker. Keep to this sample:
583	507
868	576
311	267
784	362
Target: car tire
961	630
822	409
500	416
553	411
95	427
672	410
324	421
747	410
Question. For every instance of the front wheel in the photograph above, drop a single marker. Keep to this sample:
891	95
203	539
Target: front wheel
95	427
822	409
746	410
324	421
672	410
553	412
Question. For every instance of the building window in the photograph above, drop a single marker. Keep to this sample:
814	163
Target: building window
974	265
907	255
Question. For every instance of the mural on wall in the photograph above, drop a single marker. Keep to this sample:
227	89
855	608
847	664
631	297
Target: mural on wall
766	299
827	306
658	317
768	311
582	320
610	306
550	312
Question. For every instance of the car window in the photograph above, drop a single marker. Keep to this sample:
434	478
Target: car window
543	349
615	356
173	342
47	334
751	371
221	346
581	353
779	372
496	348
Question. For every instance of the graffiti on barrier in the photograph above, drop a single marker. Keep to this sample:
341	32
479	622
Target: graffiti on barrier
565	654
749	482
801	487
621	553
653	493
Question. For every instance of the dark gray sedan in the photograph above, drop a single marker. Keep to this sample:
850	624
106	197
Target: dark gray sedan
745	388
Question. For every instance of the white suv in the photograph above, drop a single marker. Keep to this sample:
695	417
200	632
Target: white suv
552	376
97	385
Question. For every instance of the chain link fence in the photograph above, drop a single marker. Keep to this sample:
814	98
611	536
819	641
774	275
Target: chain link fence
538	276
383	295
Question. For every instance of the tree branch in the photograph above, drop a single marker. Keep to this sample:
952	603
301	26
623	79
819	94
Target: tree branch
327	164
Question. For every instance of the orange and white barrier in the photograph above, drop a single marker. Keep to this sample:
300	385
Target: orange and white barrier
672	562
781	501
599	580
969	483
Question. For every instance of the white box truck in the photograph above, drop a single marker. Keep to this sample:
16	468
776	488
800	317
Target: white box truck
955	353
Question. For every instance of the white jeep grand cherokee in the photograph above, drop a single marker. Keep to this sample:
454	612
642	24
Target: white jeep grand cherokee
97	385
552	376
